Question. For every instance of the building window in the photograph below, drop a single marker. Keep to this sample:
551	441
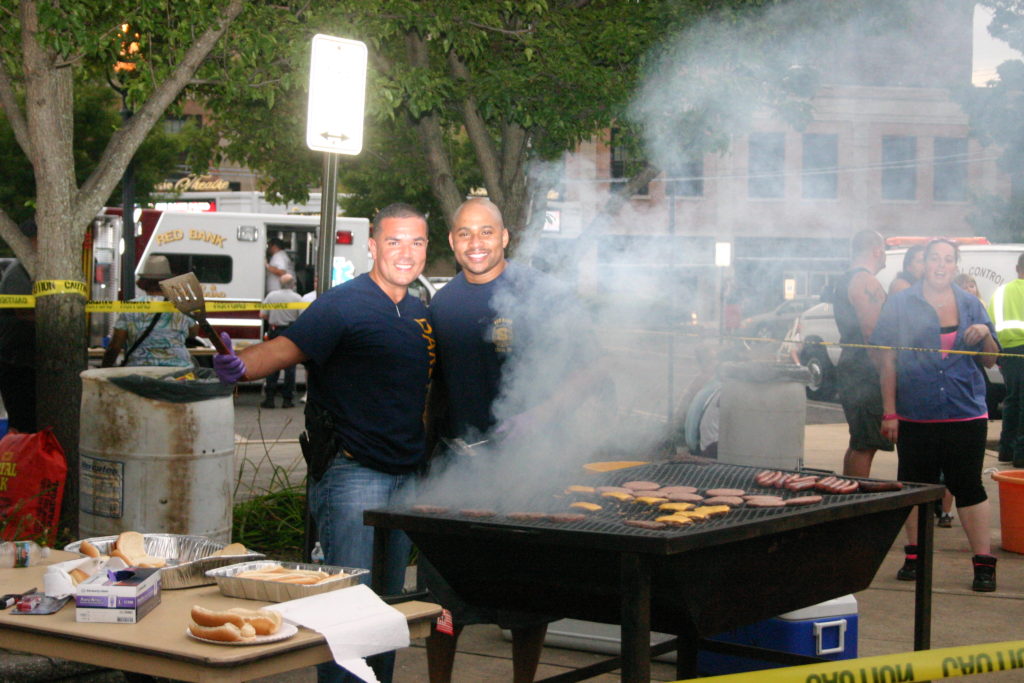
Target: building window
626	163
950	165
687	178
176	124
821	160
899	167
767	166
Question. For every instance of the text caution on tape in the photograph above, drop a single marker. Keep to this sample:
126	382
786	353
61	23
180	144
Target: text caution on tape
49	287
927	665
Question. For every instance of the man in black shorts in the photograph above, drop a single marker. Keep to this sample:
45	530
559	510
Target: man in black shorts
858	301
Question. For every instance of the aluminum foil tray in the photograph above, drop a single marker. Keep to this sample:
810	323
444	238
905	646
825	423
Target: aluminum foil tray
273	591
188	557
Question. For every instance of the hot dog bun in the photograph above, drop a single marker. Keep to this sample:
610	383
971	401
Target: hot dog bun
211	619
262	622
88	549
305	577
77	576
130	546
266	622
231	549
131	543
226	633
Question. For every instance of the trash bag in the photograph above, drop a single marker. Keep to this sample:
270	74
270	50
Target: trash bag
179	385
32	475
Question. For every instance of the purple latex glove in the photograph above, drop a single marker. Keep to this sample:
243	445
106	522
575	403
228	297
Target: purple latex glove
229	367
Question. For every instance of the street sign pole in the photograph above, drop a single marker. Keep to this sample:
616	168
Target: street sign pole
328	221
334	126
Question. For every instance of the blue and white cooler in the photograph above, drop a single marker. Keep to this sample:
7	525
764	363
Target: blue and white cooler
827	630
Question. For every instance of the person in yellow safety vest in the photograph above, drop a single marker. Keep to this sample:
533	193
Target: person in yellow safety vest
1007	312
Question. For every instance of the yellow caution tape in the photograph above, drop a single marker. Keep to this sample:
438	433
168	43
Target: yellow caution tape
129	307
908	667
48	287
28	301
17	301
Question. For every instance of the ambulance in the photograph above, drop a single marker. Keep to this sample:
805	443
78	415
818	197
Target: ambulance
228	252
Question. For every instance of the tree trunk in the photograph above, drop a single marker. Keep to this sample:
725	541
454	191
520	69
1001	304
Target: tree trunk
60	317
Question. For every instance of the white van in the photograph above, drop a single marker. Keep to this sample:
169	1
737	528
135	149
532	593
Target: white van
990	264
227	252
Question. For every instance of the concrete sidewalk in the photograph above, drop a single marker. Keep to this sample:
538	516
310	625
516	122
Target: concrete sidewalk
886	624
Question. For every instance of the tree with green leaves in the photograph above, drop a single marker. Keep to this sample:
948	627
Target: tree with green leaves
512	82
48	49
96	116
995	112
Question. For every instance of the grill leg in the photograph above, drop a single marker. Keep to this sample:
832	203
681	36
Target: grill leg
686	657
636	619
923	587
380	554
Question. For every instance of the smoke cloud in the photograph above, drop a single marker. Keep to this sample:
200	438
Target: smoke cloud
642	276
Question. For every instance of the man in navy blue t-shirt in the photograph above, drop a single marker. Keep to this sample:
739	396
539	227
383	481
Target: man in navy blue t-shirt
491	312
369	348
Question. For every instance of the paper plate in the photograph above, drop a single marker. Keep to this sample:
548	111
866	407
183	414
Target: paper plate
286	631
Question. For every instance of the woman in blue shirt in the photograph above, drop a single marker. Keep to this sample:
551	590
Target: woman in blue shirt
934	401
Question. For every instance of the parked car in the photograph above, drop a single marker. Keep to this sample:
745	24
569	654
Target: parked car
775	323
991	265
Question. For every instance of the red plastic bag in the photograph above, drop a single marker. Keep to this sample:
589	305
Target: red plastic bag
32	475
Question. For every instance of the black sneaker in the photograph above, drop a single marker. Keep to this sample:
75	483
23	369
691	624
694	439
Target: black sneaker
946	520
268	403
908	572
984	574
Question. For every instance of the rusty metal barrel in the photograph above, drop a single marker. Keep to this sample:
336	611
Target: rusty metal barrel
156	452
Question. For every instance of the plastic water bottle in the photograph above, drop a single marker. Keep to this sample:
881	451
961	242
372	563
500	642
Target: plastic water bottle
21	553
317	554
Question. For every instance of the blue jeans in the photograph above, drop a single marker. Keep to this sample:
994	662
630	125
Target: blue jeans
337	503
287	389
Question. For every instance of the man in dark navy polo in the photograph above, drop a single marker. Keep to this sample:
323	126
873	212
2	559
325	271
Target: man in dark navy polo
494	315
370	351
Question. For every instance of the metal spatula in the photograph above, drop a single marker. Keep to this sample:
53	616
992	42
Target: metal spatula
185	292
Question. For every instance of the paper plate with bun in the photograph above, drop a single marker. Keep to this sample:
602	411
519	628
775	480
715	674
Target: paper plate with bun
273	581
238	626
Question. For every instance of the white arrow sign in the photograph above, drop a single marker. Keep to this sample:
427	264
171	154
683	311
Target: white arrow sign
337	95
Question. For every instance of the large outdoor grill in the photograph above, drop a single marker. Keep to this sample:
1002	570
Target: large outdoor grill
696	581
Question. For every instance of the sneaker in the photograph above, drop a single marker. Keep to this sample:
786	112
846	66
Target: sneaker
268	403
303	399
288	403
984	574
908	572
946	521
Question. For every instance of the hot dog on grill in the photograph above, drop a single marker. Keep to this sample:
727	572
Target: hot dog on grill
879	486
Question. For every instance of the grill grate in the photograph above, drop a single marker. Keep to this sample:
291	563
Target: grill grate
611	518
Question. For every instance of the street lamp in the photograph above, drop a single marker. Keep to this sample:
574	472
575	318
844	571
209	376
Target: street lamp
130	51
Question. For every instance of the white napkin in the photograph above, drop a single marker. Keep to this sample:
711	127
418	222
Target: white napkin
57	580
355	622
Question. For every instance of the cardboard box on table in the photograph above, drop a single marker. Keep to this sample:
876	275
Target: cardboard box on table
126	600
